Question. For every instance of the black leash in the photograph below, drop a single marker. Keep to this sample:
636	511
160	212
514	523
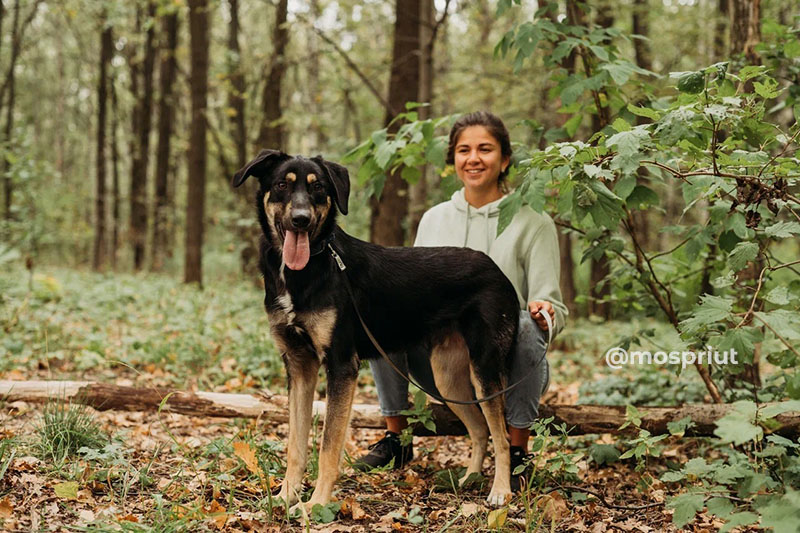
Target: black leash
377	346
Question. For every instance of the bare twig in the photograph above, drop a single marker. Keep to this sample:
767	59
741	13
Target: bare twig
751	310
603	500
779	154
653	284
778	335
350	63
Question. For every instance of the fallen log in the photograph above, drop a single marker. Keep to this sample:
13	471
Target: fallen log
579	419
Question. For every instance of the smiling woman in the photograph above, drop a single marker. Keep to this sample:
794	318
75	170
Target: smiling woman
526	252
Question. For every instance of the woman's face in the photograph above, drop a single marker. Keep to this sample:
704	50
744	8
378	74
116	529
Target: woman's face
478	159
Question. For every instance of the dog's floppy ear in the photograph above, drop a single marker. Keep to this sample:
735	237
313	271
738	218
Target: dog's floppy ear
263	164
340	179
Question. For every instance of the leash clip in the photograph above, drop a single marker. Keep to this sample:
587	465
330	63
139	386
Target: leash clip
336	258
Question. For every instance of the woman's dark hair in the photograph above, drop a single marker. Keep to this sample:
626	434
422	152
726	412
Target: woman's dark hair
493	125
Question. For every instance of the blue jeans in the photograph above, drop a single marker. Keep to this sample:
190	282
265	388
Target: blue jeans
522	402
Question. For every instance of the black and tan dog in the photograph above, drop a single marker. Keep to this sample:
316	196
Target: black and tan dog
453	301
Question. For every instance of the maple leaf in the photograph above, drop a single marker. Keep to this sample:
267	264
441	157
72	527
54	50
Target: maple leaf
247	454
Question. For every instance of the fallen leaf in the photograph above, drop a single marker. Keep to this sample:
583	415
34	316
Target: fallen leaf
497	518
67	490
6	507
440	513
85	516
246	453
357	512
553	506
127	518
217	513
469	509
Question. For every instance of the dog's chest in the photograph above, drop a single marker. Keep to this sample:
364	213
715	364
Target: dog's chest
287	322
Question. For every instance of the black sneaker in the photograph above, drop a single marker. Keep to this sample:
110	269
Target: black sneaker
518	458
383	451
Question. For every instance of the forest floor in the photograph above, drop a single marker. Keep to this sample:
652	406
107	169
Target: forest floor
168	472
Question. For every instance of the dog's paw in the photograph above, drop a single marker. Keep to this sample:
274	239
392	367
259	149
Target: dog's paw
498	498
286	496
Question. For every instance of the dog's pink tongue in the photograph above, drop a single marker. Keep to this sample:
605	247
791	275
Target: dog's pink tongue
296	250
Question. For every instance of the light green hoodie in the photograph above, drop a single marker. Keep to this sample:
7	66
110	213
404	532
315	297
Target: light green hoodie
526	251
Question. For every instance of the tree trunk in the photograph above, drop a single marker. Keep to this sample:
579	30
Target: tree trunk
196	195
246	233
8	184
272	135
142	120
641	26
579	419
106	51
116	219
568	291
166	117
721	26
418	192
600	267
236	92
317	134
389	211
745	17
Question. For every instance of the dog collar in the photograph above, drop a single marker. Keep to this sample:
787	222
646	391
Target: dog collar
323	244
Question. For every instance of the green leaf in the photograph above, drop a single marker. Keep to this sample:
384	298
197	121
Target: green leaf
771	411
742	254
785	322
721	507
679	427
604	454
620	125
783	230
751	71
738	426
792	48
782	514
384	154
534	196
67	490
768	89
779	295
686	507
325	514
572	125
621	70
642	197
508	208
742	340
672	477
625	186
411	174
711	309
644	112
739	519
697	467
692	82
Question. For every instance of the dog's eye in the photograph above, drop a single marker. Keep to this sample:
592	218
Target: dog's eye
317	187
282	185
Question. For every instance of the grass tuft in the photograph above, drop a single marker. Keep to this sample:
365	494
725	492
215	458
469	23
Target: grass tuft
64	429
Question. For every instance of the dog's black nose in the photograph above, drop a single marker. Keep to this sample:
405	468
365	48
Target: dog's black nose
300	220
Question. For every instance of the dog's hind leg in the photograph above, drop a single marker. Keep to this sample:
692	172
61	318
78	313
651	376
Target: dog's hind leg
450	365
302	373
341	388
493	410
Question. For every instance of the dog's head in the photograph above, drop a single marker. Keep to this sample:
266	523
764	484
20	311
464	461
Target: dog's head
295	200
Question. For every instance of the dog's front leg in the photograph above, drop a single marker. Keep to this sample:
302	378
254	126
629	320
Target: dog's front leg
302	372
341	388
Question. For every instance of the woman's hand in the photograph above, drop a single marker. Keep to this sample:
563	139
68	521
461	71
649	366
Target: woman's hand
536	307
